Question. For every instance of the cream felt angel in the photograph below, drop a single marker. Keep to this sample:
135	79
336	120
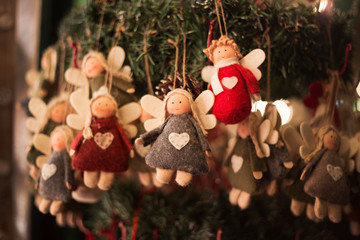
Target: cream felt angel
325	175
102	148
232	79
96	71
45	119
245	160
56	178
178	144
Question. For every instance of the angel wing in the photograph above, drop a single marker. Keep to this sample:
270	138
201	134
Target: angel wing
204	103
267	132
154	106
33	79
308	138
76	77
292	140
128	114
42	143
253	60
38	109
81	103
207	72
115	60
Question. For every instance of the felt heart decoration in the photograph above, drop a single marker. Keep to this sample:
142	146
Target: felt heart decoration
103	140
48	170
229	82
179	140
236	163
335	172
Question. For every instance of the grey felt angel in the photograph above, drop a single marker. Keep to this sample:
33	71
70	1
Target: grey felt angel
56	177
179	143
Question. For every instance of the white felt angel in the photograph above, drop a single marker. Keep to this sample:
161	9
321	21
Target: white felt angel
232	79
178	144
101	149
96	71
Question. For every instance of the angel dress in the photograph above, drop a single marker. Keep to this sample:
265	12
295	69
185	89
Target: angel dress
33	153
178	144
242	162
326	179
275	162
137	163
54	175
232	103
118	89
108	149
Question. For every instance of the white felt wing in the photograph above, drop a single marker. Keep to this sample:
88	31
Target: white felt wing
253	60
292	140
115	59
130	130
358	89
263	134
127	114
204	103
76	77
308	138
38	109
32	79
207	72
81	104
273	137
42	143
344	150
155	108
354	146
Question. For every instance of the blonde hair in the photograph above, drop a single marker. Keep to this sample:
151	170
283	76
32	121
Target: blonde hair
320	140
68	133
102	92
193	106
223	41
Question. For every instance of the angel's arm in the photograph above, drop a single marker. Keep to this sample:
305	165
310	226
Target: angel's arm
203	142
312	163
250	79
123	136
77	141
151	136
67	167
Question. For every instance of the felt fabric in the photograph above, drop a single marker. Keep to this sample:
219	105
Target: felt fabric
118	89
233	105
53	176
137	163
33	152
190	158
275	162
326	179
89	156
296	190
242	178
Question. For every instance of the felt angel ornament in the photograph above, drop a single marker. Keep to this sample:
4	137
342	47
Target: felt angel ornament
45	119
96	71
231	80
56	178
325	176
244	161
102	148
178	144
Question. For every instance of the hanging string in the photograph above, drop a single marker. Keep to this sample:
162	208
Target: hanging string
210	35
146	62
61	66
184	60
330	108
100	24
218	17
268	83
176	45
223	17
74	54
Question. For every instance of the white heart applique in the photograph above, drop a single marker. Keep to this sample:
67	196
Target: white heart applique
48	170
229	82
236	163
335	172
179	140
103	140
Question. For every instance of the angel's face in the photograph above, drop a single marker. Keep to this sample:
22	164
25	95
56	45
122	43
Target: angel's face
331	140
103	107
93	67
59	112
178	104
243	128
223	52
58	141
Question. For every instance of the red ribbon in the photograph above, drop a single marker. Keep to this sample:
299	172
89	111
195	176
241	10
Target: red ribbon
218	235
88	234
111	233
156	234
74	55
211	30
347	50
